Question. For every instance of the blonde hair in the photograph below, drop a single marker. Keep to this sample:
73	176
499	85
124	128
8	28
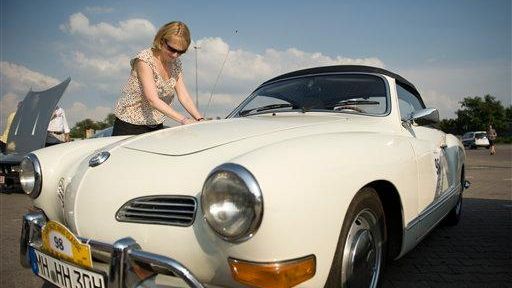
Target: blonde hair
176	33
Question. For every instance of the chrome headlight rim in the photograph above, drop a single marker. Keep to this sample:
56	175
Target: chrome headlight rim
255	191
38	176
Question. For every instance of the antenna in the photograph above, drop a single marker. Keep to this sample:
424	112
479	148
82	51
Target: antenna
217	80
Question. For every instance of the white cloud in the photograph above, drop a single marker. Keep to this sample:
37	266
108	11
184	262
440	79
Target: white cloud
125	31
18	78
16	82
444	86
102	65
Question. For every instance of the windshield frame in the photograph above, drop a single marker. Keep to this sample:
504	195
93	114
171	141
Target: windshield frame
236	112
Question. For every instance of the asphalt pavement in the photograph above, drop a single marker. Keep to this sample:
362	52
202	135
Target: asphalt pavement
475	253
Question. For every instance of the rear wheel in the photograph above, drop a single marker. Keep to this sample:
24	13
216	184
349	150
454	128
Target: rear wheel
361	250
455	214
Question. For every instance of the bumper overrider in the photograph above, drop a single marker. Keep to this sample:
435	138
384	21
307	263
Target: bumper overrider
128	264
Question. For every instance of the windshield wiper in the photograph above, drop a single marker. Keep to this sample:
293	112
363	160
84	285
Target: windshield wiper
357	101
264	108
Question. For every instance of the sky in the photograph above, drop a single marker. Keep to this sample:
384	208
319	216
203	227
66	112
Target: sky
449	49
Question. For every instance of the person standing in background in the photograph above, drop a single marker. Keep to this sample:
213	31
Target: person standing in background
58	126
156	77
491	135
3	138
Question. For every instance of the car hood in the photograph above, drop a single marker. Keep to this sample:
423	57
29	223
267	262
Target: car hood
189	139
29	126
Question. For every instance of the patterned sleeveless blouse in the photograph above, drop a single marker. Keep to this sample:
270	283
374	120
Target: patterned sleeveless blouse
132	106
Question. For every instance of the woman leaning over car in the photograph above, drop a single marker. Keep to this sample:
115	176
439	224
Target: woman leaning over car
155	78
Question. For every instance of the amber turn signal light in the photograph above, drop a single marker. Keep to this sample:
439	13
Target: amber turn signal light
281	274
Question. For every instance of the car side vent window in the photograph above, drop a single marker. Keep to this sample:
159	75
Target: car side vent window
162	210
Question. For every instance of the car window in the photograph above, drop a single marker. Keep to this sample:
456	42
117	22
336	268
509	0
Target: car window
345	93
468	135
480	135
408	103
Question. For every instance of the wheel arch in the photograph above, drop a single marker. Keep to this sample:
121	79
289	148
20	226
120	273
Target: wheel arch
393	211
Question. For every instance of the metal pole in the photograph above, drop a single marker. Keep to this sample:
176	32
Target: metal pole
197	94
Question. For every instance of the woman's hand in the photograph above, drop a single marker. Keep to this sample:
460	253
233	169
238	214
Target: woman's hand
189	121
186	120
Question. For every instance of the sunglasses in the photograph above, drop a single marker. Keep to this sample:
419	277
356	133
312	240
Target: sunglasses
173	50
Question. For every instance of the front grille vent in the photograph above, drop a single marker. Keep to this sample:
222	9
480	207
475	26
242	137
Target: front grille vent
163	210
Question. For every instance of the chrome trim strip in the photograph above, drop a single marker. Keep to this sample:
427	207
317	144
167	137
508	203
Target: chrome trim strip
434	206
122	255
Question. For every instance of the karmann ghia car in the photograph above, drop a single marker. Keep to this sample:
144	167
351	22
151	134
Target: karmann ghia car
315	180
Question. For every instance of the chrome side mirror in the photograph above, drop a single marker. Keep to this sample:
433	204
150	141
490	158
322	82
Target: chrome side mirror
423	117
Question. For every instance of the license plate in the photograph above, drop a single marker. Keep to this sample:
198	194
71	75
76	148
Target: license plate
61	243
62	274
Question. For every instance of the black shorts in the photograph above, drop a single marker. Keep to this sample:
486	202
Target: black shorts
491	142
124	128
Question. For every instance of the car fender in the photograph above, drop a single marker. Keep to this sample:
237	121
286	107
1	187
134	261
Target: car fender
326	171
61	161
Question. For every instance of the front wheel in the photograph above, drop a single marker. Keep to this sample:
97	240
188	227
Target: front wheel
361	249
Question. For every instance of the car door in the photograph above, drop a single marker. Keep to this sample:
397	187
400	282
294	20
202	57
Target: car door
429	146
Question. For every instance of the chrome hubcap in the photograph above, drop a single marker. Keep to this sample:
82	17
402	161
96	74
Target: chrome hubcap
362	253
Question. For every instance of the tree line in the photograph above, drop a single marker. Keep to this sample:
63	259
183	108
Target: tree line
78	131
476	113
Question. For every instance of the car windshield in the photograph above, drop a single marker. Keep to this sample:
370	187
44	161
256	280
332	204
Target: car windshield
480	135
336	93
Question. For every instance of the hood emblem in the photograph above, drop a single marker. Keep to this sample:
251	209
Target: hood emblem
98	158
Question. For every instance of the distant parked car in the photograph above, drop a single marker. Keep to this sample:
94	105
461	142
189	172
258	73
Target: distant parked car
475	139
107	132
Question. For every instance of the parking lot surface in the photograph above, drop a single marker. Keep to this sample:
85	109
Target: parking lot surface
475	253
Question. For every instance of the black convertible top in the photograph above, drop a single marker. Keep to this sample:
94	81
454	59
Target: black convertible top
344	69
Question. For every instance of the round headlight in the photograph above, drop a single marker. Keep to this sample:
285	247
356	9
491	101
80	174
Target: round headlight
232	202
30	175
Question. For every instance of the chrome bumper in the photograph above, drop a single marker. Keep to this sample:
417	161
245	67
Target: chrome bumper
121	256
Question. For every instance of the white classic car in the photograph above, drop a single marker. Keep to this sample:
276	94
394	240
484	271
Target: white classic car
315	180
475	139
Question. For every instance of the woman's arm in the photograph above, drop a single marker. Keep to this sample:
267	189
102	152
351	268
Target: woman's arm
185	99
145	75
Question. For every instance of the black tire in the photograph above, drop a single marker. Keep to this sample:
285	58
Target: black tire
365	210
455	214
48	285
